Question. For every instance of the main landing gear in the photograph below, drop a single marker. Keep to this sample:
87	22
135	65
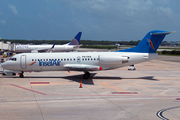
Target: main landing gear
21	74
86	75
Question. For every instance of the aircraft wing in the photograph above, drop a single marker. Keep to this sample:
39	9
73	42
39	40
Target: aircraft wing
82	67
34	51
43	50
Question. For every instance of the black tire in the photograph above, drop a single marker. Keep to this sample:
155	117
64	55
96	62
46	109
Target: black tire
21	75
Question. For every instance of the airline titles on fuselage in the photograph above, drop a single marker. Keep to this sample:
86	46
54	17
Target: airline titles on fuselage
23	46
49	63
56	62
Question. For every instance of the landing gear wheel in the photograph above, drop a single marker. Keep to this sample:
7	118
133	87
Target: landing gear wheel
86	75
21	74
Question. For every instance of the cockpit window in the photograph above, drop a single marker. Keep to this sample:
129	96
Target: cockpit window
13	59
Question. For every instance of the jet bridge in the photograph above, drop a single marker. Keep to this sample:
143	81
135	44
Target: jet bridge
7	46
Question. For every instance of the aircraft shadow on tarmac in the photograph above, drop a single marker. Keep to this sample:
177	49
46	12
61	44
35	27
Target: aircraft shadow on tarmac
120	78
78	78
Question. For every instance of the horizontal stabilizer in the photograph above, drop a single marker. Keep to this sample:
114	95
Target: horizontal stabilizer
165	33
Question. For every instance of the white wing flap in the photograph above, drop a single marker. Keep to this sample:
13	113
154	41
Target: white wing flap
82	67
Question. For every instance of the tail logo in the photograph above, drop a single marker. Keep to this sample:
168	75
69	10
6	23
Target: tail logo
151	44
74	42
32	63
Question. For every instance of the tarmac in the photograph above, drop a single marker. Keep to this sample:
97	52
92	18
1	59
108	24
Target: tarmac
152	92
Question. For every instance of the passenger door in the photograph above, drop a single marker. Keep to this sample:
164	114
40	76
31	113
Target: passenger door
23	61
78	59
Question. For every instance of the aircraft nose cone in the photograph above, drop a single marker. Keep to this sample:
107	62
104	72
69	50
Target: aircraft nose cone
3	65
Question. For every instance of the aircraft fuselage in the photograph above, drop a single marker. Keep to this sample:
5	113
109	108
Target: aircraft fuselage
68	61
43	48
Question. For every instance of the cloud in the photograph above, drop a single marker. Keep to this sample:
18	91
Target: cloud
125	10
3	22
13	9
167	11
0	11
97	19
102	16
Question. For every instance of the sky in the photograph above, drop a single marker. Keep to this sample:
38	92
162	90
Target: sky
112	20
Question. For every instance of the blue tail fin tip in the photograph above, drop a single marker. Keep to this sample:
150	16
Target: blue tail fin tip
150	43
76	39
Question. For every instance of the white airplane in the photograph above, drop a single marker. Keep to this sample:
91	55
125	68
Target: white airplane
49	48
88	61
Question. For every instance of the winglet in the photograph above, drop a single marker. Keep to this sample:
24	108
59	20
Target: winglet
76	39
53	45
51	49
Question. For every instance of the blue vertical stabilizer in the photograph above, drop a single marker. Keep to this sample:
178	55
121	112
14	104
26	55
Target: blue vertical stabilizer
76	39
150	43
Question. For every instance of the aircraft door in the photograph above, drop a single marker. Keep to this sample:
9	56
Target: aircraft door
23	61
78	59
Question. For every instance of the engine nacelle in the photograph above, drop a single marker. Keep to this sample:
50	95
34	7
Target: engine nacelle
113	59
